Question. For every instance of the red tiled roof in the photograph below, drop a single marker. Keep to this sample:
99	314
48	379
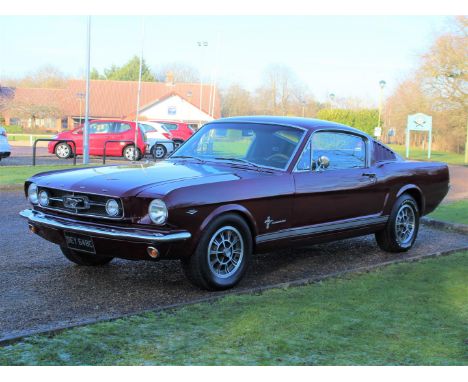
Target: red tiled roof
115	99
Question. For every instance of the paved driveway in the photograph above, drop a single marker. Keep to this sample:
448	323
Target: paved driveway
40	289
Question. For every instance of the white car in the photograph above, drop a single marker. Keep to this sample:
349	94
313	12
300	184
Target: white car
158	138
5	148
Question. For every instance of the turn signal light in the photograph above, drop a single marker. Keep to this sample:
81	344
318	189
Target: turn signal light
153	252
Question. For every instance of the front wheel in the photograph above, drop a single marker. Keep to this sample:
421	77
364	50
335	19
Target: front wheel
87	259
222	255
63	150
402	227
129	153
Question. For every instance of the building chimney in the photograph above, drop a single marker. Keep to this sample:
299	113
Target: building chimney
169	78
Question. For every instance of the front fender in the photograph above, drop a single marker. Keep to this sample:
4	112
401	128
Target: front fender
221	210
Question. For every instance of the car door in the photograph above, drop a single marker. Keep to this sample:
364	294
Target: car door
99	133
346	190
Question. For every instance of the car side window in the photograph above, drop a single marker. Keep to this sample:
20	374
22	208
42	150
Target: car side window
170	126
121	127
343	151
100	128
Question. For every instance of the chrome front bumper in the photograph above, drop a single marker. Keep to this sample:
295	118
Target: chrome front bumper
36	217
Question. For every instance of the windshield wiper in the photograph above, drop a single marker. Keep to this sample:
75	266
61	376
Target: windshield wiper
186	157
240	161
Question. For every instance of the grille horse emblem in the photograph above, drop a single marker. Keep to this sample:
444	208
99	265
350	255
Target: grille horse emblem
77	202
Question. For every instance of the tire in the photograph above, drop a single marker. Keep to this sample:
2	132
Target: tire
63	150
402	227
87	259
222	272
128	151
177	143
159	151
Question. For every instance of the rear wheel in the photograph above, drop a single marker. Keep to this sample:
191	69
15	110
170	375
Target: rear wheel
82	258
63	150
129	153
159	151
177	143
402	227
222	255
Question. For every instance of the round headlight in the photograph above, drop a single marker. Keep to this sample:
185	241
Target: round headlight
158	211
112	207
32	193
43	198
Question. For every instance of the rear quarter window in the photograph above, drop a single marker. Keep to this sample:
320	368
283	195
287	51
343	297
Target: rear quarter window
383	153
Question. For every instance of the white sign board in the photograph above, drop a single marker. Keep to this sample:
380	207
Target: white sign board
377	132
419	122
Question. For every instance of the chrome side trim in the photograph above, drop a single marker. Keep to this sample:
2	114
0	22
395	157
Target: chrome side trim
322	228
40	218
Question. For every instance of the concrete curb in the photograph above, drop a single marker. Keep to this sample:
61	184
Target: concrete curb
9	340
11	187
439	224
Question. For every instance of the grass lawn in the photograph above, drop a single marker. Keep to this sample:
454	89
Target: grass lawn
456	212
436	156
405	314
18	174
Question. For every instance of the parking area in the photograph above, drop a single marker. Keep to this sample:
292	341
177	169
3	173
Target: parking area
22	156
42	290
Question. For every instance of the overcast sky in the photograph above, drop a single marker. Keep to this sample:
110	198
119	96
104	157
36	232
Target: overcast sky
346	55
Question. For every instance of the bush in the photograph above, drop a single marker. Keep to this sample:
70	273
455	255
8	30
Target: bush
364	119
13	129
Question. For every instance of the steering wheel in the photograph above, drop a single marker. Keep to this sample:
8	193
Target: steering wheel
277	157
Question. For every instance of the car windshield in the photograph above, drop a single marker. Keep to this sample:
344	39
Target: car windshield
248	143
146	128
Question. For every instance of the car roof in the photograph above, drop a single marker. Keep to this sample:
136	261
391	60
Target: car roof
305	123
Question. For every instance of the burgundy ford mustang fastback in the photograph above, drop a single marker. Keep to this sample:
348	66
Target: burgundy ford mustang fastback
237	187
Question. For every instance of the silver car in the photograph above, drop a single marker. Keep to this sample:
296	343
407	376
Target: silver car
5	148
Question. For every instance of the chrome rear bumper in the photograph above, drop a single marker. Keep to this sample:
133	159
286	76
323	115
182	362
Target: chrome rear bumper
39	218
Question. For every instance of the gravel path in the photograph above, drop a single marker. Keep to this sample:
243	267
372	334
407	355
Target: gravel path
41	290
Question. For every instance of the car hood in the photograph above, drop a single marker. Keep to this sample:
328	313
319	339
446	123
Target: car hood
132	179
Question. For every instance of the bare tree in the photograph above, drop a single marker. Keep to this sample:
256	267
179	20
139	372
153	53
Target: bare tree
45	77
179	72
235	100
281	91
33	111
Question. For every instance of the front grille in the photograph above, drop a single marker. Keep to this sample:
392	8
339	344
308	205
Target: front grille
78	203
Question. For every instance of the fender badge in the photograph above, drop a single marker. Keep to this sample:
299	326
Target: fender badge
269	222
192	212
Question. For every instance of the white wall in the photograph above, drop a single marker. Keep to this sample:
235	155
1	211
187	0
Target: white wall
175	108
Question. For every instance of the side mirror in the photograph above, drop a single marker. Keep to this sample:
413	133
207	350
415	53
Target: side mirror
323	162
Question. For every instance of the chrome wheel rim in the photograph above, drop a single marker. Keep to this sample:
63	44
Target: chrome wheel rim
63	151
405	224
129	153
225	252
159	152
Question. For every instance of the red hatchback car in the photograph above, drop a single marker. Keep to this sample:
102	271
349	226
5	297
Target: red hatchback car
180	131
101	131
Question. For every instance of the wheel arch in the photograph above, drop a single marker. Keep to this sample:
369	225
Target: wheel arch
414	191
235	209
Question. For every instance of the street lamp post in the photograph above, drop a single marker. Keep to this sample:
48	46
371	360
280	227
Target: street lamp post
304	103
382	84
80	97
88	66
201	44
332	99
